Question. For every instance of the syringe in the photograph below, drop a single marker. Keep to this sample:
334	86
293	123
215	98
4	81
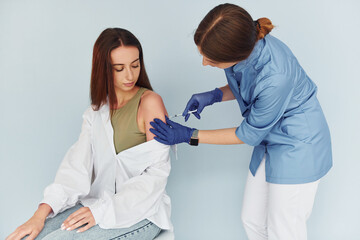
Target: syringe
180	114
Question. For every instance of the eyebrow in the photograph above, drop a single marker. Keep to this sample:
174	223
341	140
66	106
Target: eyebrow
124	64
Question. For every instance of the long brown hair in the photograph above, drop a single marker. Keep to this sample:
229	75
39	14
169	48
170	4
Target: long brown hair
228	33
102	81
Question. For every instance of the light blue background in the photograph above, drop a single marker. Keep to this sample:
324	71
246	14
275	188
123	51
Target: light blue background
45	64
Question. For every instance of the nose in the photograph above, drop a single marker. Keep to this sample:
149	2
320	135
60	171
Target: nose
129	74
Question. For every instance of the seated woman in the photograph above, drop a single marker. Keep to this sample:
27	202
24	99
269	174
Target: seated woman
112	181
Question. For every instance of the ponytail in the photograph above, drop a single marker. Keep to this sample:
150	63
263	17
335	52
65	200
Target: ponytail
263	27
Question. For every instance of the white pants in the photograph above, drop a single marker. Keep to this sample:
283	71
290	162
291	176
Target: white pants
276	211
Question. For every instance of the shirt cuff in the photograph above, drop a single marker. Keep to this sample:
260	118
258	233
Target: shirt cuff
54	203
98	210
251	135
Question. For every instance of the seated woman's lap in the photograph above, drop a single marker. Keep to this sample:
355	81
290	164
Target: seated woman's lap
53	224
144	230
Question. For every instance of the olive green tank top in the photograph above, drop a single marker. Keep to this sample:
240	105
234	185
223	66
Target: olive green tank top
125	126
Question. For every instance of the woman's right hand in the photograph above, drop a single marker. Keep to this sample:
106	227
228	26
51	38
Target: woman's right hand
200	101
32	228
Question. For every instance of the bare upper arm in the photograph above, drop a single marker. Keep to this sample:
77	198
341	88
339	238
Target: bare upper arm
151	106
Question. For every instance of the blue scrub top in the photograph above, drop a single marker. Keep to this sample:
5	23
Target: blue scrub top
282	116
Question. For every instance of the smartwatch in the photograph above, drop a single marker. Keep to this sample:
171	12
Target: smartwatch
194	140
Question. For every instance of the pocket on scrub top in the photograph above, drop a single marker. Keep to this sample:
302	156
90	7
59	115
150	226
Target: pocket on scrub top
296	126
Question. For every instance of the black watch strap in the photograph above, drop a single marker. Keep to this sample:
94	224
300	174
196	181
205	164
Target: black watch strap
194	140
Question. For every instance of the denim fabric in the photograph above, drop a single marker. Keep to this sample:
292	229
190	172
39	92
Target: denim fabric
144	230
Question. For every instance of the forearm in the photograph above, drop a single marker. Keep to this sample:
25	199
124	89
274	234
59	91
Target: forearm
225	136
227	93
43	211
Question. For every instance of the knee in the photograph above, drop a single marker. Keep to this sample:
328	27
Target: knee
247	221
254	223
247	217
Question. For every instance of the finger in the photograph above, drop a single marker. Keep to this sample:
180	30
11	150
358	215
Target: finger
20	234
67	221
200	108
157	133
186	110
187	117
167	120
172	123
11	236
33	235
162	141
158	128
152	123
74	220
196	115
162	124
155	125
192	108
191	105
88	226
80	223
77	212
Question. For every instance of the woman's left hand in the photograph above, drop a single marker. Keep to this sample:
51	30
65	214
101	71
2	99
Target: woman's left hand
79	218
170	133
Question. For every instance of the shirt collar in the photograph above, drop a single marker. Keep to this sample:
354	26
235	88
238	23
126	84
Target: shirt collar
254	56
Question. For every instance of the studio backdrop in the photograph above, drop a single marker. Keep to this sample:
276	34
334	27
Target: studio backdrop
45	64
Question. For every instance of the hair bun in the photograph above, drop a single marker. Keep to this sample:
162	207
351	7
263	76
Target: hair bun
263	27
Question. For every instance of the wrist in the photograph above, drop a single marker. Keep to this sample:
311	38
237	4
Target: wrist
42	212
218	95
188	135
194	139
39	217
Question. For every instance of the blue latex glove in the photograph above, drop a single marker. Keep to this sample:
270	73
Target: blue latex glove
170	133
200	100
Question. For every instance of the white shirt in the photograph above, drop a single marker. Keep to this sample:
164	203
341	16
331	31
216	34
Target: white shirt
120	189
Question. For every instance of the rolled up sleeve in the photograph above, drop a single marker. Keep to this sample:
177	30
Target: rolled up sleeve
272	98
73	178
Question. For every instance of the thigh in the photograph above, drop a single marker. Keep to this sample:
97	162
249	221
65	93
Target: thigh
144	230
255	200
52	224
290	206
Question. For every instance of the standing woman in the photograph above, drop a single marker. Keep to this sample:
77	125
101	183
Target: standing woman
283	120
111	183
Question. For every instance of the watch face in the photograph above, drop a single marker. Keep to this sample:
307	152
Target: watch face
194	141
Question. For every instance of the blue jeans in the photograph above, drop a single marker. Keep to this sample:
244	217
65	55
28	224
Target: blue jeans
144	230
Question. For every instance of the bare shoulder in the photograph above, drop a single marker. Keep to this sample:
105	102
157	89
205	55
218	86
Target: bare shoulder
151	100
151	106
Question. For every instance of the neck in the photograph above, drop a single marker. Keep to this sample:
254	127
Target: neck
124	96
